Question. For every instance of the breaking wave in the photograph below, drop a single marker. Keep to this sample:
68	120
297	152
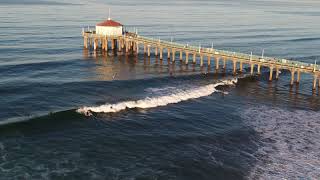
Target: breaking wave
290	143
163	100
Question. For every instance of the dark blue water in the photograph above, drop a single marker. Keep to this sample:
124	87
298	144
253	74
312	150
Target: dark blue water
180	126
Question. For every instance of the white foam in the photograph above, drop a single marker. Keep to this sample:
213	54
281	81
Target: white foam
291	143
152	102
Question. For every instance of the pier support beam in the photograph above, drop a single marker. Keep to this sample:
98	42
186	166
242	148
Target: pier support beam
271	74
106	45
234	66
292	77
298	77
85	42
180	55
127	46
209	60
103	44
144	48
194	58
314	87
201	60
251	69
224	62
217	62
133	46
156	51
173	55
161	53
119	45
148	50
137	48
112	44
187	57
241	66
95	45
259	69
277	73
168	50
90	42
122	44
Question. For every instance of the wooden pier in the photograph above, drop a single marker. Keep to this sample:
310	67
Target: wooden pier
132	42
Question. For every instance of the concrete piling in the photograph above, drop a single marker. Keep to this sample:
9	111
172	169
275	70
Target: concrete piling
298	77
173	55
161	53
271	73
277	73
251	69
156	51
148	50
292	77
187	57
314	87
217	62
234	66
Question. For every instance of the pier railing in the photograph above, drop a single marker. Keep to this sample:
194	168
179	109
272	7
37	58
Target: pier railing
289	63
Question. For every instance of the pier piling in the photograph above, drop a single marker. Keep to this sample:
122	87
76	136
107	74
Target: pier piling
259	69
187	57
201	60
217	62
298	77
234	66
271	74
251	69
292	77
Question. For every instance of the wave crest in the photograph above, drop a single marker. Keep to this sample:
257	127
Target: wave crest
152	102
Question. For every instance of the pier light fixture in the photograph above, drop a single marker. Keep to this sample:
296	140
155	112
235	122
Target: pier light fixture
262	55
109	17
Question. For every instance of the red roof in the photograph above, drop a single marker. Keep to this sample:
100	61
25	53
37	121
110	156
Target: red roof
109	22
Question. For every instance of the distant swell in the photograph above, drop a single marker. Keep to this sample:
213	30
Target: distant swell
152	102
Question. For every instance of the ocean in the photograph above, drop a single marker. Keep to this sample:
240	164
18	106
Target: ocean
70	113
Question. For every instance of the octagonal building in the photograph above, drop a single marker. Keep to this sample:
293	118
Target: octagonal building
109	28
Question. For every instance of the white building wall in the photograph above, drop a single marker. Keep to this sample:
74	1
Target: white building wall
109	31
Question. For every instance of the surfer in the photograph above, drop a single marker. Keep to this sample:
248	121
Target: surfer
114	75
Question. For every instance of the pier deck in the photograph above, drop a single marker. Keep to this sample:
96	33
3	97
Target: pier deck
132	42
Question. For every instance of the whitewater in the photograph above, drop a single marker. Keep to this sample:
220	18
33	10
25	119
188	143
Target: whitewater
164	100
